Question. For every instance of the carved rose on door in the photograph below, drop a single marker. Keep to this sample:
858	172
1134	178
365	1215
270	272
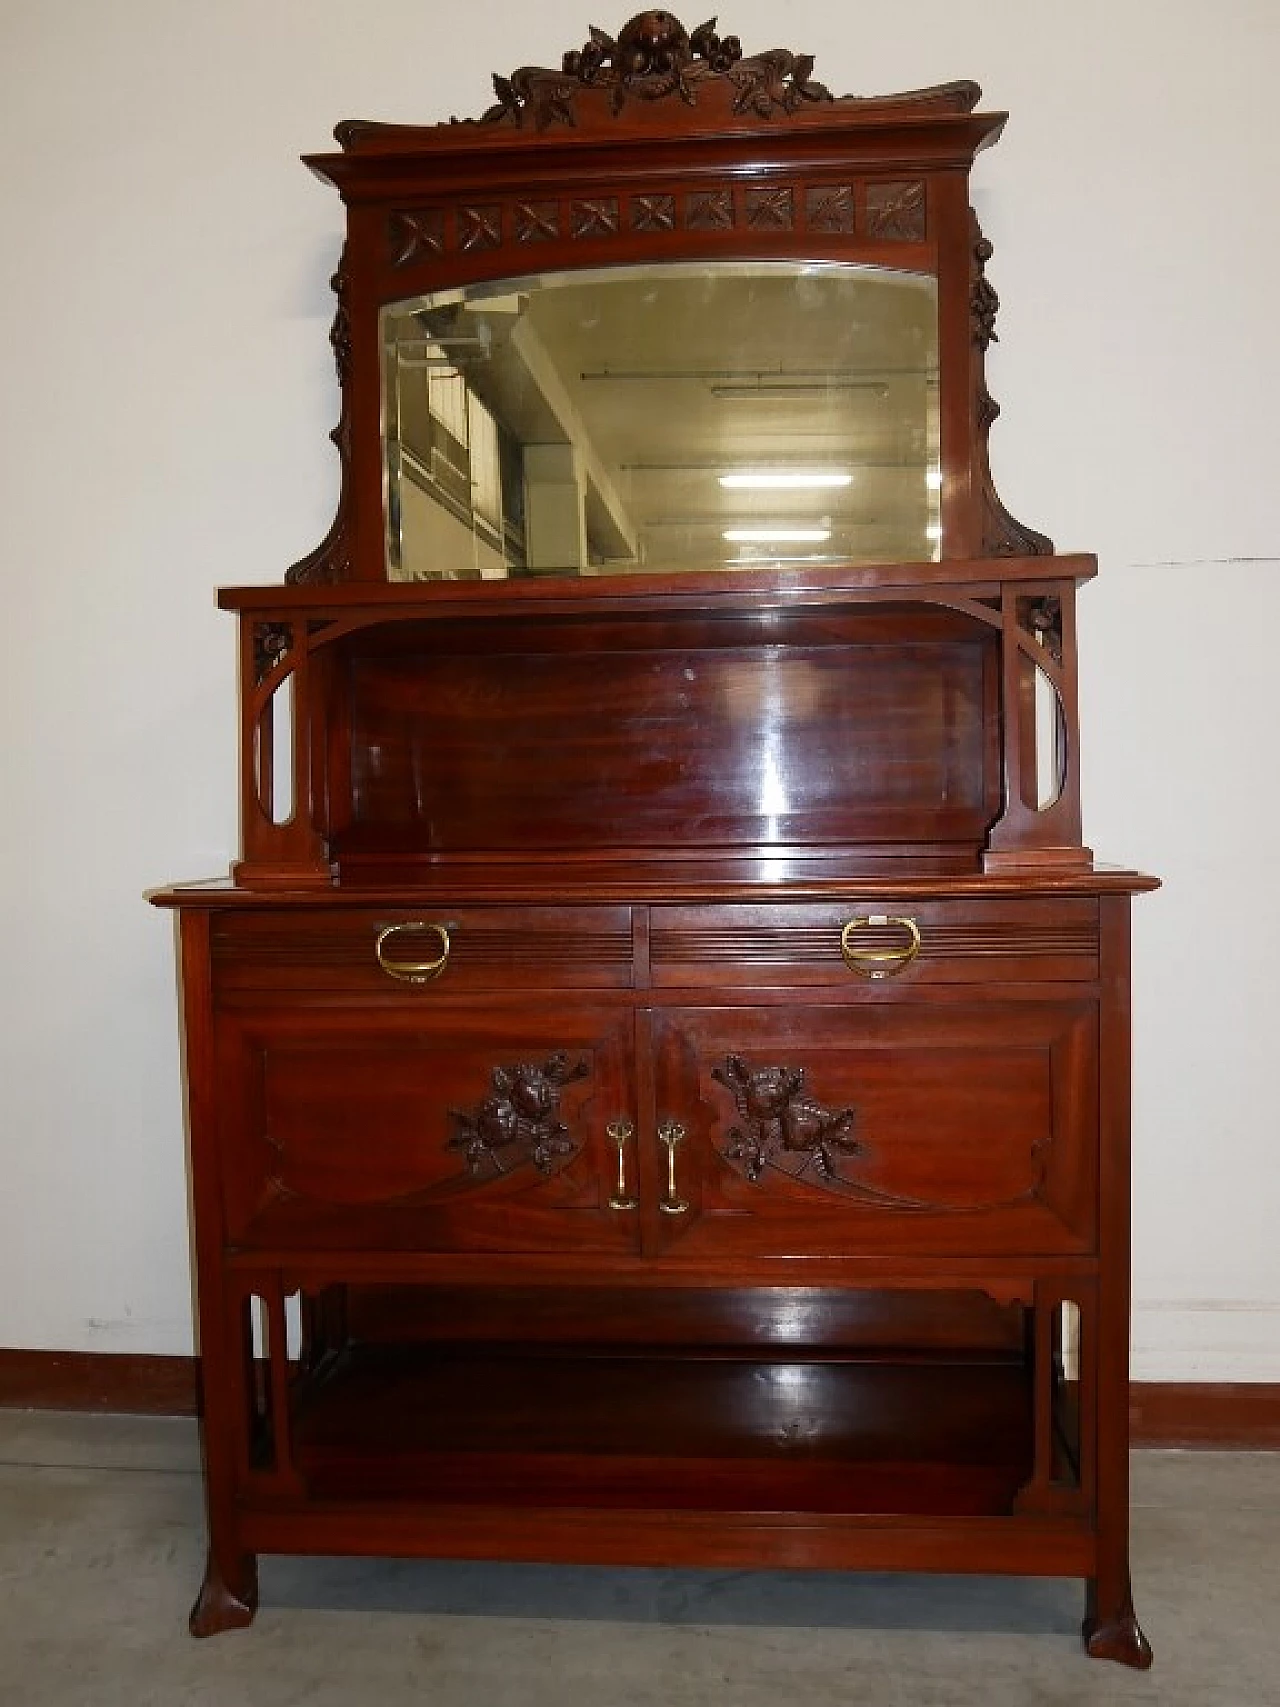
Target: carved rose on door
518	1121
780	1119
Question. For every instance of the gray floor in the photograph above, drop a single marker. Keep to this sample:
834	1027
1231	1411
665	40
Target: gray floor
101	1552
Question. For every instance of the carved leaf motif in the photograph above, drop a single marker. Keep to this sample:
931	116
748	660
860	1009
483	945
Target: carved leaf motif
896	211
479	227
594	218
653	213
535	222
709	210
518	1123
772	210
830	207
412	232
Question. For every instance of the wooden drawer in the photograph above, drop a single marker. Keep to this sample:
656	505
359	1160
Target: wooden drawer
804	944
962	1129
314	950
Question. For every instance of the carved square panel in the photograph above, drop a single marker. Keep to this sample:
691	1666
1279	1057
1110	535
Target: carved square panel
536	222
829	207
653	213
479	227
598	218
413	232
896	211
709	210
770	210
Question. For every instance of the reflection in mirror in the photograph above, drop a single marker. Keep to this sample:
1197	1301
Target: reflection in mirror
719	416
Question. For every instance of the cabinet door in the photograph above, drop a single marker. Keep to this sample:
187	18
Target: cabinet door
471	1130
888	1127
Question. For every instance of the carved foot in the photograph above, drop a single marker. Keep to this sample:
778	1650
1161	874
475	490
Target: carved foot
225	1606
1117	1637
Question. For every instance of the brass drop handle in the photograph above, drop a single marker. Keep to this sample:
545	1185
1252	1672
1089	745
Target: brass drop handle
879	962
620	1131
671	1133
413	971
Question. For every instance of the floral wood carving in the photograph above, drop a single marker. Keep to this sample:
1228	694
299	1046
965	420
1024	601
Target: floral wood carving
984	304
781	1122
1042	617
518	1122
479	227
654	58
786	1129
271	640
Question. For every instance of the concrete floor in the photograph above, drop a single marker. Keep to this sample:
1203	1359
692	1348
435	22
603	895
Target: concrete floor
101	1553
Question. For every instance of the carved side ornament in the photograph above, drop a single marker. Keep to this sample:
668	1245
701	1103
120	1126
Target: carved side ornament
330	562
1002	534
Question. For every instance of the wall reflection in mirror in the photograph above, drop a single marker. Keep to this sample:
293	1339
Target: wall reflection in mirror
718	416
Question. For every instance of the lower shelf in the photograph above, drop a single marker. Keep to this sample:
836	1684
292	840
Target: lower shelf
675	1433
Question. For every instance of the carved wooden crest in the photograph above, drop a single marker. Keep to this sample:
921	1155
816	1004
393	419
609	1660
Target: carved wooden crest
655	58
518	1122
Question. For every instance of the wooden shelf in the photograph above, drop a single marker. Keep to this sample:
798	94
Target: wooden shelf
710	1433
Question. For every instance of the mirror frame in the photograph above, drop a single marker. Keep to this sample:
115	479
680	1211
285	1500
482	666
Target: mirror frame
665	146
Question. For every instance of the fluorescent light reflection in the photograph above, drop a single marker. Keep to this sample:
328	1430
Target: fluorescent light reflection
776	536
784	479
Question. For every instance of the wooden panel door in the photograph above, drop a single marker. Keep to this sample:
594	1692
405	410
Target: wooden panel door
895	1127
468	1129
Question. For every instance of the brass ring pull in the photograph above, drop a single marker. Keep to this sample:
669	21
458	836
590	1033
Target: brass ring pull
413	971
879	962
620	1131
671	1133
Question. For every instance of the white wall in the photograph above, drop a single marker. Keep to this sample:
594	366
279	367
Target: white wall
165	391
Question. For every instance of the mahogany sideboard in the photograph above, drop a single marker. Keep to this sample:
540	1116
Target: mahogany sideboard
659	1069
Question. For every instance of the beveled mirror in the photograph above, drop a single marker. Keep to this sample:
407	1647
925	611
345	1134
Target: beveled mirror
671	417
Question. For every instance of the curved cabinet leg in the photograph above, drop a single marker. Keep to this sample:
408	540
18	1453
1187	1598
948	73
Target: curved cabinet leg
227	1600
1113	1632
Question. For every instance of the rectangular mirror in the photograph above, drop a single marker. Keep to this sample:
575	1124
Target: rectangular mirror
709	416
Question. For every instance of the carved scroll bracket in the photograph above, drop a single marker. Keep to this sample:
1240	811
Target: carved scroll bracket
330	562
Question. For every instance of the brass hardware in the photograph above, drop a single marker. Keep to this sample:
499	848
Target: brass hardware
413	971
620	1131
879	962
671	1133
